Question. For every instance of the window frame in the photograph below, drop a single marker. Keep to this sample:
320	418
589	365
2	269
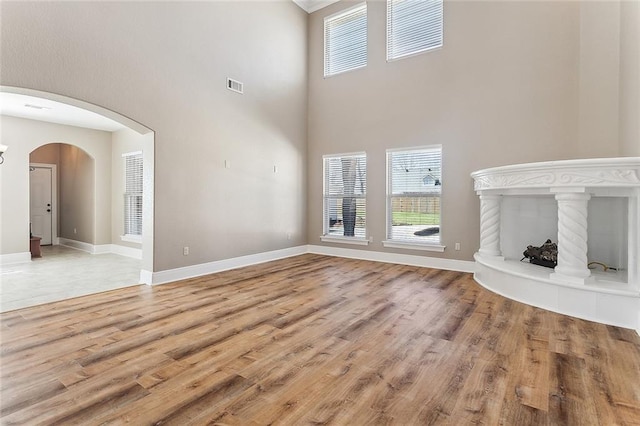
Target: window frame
389	31
338	15
128	196
405	243
326	197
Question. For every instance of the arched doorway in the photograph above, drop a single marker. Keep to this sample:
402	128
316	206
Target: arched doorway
14	177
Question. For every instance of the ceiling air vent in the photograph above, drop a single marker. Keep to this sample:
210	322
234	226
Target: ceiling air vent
234	85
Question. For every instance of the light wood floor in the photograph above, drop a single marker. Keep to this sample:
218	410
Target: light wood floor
314	340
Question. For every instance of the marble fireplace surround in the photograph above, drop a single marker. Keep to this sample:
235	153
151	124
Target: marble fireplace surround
591	208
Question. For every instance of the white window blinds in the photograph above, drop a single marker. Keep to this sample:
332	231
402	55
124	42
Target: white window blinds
133	193
413	26
345	190
345	40
414	178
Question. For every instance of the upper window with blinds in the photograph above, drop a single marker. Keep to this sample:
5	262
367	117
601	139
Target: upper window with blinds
414	186
133	194
345	40
413	26
345	191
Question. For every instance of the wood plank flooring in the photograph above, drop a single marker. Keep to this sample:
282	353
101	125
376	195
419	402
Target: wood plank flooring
314	340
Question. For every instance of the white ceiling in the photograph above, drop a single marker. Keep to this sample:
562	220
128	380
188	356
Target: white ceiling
313	5
33	108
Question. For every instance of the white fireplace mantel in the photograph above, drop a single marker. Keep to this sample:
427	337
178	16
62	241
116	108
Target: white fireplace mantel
592	208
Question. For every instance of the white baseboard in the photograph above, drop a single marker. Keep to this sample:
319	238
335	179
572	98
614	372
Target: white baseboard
8	259
402	259
78	245
135	253
102	248
146	277
177	274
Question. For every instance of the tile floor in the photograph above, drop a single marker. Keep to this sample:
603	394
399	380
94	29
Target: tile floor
63	273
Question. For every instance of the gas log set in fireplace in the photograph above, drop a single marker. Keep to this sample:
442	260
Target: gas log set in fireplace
545	255
590	208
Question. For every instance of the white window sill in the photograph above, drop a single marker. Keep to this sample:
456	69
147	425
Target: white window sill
131	238
345	240
413	246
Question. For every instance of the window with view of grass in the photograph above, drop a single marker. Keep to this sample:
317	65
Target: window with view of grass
345	190
414	186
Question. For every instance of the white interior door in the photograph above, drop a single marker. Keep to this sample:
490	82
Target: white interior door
40	181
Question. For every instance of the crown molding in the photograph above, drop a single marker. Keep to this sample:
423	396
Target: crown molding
311	6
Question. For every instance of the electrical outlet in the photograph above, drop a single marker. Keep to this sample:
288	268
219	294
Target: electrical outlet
457	246
275	169
185	251
227	164
75	231
288	235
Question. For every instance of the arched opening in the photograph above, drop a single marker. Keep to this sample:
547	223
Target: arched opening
90	179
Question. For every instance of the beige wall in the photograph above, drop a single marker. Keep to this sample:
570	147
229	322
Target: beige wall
47	154
23	136
123	141
503	89
630	78
599	76
77	195
164	64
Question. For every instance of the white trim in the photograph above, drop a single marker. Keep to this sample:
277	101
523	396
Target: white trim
129	154
414	246
78	245
311	6
134	253
192	271
146	277
54	197
11	258
102	248
432	147
131	238
345	240
177	274
345	154
402	259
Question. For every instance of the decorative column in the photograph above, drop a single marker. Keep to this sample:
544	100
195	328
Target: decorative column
572	237
490	225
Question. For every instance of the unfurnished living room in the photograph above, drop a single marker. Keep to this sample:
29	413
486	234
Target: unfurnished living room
401	212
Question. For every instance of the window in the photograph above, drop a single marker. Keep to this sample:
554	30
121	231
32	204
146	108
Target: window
345	189
345	40
414	185
133	194
413	26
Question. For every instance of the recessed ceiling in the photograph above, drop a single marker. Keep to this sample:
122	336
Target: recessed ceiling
23	106
312	5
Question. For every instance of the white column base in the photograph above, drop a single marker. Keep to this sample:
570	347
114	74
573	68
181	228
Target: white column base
562	278
493	253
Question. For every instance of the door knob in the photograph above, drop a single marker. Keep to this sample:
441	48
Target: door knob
49	210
